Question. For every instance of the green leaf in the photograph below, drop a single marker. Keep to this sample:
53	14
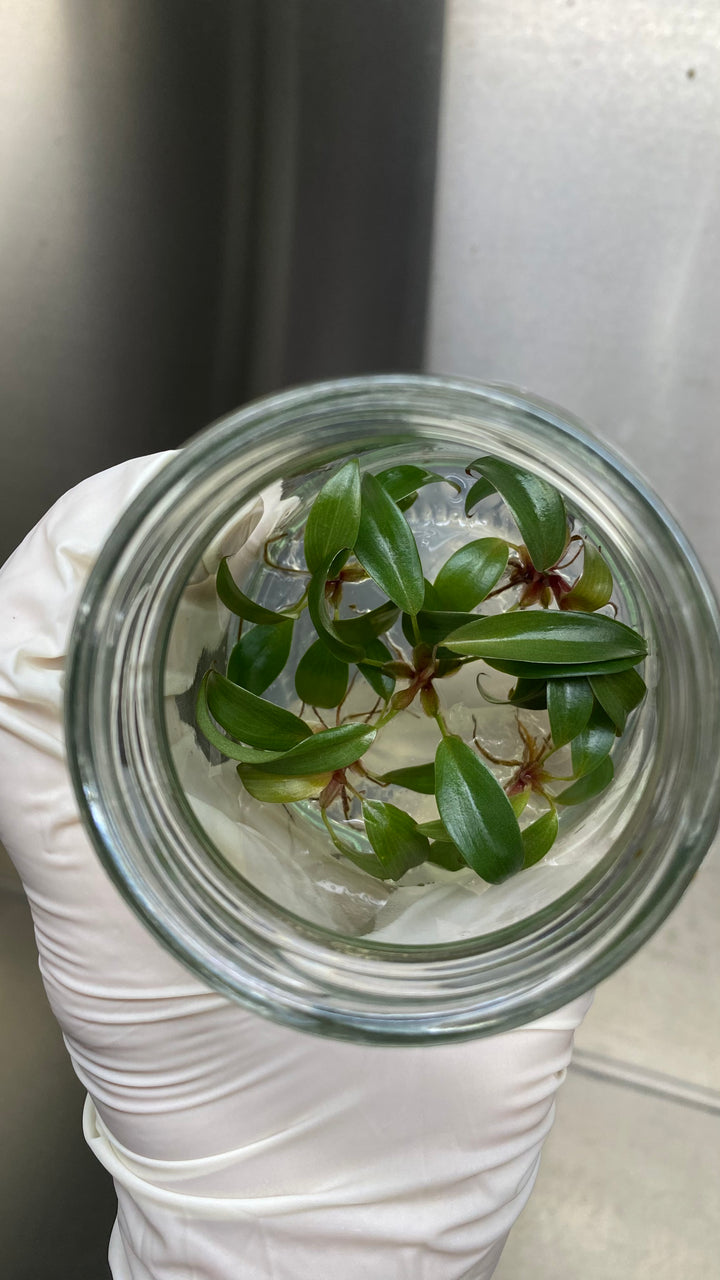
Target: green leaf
240	604
386	548
417	777
480	490
530	694
434	830
367	862
348	639
443	853
404	504
366	627
394	837
334	518
431	599
548	638
593	588
404	481
476	812
471	573
324	622
260	655
539	838
330	749
381	683
545	671
589	786
337	563
520	800
619	694
321	679
538	508
233	750
251	719
273	790
447	662
569	704
434	625
593	743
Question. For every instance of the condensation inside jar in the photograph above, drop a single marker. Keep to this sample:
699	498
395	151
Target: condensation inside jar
285	851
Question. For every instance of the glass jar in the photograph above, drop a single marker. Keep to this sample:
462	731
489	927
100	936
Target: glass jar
265	927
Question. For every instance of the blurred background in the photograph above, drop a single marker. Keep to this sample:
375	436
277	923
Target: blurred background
205	200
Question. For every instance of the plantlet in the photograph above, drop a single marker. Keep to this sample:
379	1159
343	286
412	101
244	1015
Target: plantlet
563	656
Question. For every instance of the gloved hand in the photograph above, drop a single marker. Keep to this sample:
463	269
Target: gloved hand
240	1149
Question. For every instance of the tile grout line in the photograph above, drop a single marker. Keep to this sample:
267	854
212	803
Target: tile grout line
645	1080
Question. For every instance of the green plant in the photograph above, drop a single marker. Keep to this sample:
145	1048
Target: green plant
563	655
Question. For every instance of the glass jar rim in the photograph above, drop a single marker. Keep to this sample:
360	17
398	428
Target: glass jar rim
376	991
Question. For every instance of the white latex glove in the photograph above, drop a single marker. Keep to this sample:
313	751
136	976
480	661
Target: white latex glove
241	1150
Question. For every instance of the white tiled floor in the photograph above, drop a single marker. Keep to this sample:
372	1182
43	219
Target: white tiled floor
662	1010
629	1185
629	1189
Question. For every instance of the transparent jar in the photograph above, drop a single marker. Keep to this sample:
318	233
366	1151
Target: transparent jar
266	926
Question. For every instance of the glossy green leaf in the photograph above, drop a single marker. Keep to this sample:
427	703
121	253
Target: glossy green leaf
321	679
594	587
337	563
593	743
323	620
434	625
394	837
569	704
416	777
252	719
260	655
544	671
277	790
471	573
477	492
547	638
381	683
329	749
538	508
404	504
404	481
530	694
476	812
365	627
241	605
386	548
431	599
434	830
367	862
619	694
539	838
233	750
589	786
443	853
334	518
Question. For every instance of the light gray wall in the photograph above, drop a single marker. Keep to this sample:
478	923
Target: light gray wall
577	248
